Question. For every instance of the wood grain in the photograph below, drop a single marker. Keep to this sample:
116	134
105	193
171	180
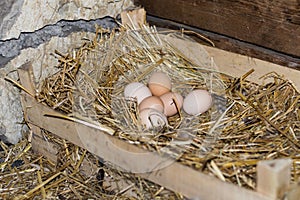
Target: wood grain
228	43
273	24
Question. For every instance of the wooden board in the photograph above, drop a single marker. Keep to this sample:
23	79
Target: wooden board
234	64
271	24
228	43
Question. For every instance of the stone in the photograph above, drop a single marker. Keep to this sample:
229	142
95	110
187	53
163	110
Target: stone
11	116
18	16
12	48
30	31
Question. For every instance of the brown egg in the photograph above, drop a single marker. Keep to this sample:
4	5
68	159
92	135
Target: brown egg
151	118
153	102
159	83
197	102
172	103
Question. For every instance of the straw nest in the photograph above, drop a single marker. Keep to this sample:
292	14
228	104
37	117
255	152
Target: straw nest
247	122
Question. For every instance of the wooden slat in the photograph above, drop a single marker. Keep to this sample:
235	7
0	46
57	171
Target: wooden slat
228	43
274	177
234	64
272	24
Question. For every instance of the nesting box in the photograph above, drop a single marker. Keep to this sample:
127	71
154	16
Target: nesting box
273	177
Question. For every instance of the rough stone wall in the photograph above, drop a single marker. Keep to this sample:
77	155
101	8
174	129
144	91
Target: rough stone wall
30	30
18	16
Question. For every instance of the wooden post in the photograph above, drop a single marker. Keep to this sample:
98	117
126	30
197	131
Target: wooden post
293	192
273	177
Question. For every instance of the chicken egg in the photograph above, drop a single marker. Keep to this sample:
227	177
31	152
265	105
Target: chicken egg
172	103
197	102
152	118
137	90
159	83
153	102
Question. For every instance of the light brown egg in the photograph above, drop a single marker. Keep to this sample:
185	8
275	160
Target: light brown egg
197	102
151	118
159	83
172	103
137	90
153	102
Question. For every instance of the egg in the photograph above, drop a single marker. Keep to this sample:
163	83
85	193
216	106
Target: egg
137	90
159	83
197	102
152	118
153	102
172	103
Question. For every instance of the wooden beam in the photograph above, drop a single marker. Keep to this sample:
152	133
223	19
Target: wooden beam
272	24
273	177
232	63
228	43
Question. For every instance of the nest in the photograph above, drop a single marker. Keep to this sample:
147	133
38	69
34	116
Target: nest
247	123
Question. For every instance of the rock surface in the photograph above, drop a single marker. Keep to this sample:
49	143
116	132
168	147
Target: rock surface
12	48
18	16
31	31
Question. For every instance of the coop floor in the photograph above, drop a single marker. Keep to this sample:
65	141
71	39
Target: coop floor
76	174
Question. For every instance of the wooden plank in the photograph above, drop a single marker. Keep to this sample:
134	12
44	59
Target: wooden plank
233	64
294	192
228	43
45	148
150	165
237	65
272	24
196	185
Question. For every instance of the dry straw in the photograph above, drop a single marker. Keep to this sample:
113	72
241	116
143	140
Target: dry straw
76	174
247	123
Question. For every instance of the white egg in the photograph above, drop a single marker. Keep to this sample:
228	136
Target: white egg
137	90
197	102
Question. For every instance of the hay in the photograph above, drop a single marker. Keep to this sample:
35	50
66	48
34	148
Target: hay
247	123
26	175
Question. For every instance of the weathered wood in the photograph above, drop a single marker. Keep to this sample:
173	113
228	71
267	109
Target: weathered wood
272	24
229	43
235	64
